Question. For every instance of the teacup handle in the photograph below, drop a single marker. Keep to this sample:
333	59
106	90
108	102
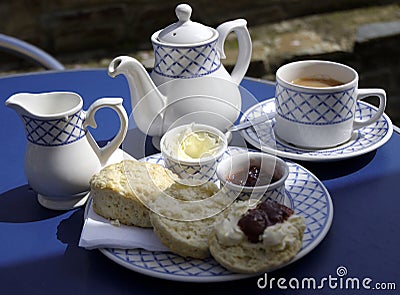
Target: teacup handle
245	47
363	93
104	153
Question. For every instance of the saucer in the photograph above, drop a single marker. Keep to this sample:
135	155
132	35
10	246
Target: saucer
304	192
362	141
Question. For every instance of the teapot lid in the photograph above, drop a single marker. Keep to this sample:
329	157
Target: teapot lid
185	31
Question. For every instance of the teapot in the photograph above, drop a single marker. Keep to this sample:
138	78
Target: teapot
188	83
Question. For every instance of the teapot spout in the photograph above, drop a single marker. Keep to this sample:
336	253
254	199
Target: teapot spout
148	103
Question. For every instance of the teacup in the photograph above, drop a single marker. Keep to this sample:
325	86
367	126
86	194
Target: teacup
192	152
253	176
312	115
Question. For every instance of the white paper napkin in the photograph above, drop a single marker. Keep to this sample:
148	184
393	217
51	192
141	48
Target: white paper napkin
98	232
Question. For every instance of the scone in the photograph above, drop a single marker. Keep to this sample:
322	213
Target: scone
174	217
256	240
121	191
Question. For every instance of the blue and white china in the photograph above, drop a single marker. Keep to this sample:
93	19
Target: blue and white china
362	141
304	193
188	82
320	117
61	155
198	170
234	170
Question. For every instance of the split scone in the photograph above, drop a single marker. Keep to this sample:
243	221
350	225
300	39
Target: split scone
256	240
183	217
122	191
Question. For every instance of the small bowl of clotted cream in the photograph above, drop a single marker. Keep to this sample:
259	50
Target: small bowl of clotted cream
192	152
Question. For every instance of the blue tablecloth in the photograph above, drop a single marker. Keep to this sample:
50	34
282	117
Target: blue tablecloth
39	251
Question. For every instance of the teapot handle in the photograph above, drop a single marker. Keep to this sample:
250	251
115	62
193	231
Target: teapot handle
104	153
245	47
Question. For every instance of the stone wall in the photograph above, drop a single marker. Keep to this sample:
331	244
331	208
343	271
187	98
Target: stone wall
104	27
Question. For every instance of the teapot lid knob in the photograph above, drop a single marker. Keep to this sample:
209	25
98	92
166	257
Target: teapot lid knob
185	31
183	12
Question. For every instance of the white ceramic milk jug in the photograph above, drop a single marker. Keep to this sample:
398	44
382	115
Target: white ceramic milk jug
61	155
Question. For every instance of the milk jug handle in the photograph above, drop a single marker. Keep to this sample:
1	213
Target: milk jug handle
104	153
245	47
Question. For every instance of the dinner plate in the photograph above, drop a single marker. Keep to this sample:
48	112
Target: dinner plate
364	140
306	194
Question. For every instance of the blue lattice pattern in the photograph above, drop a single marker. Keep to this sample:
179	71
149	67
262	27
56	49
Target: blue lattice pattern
55	132
315	109
186	62
275	194
192	173
309	200
171	264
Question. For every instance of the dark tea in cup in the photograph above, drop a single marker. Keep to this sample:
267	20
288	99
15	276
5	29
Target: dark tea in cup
317	82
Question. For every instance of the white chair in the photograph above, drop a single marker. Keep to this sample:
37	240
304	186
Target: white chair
29	51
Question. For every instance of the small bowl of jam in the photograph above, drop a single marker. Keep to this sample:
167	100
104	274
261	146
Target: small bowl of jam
253	176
